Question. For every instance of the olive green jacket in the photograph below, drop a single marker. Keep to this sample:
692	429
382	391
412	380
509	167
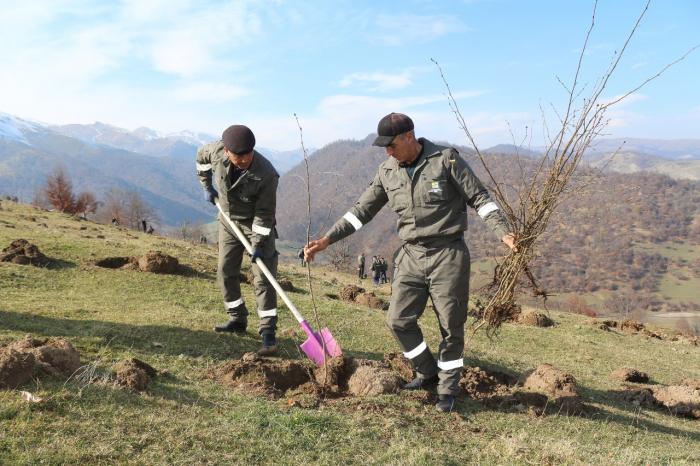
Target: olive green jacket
431	206
252	196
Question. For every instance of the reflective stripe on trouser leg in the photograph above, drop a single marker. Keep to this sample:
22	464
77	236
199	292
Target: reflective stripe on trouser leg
409	295
265	293
449	290
229	268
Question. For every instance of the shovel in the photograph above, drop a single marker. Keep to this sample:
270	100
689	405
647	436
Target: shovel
318	345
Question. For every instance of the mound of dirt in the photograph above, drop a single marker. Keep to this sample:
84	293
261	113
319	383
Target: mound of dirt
627	374
367	378
692	383
158	262
54	356
134	374
369	300
632	326
154	262
255	376
16	368
286	285
680	400
350	292
484	386
399	363
533	318
558	385
22	252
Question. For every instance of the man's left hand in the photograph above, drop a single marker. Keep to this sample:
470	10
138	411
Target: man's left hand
257	254
509	239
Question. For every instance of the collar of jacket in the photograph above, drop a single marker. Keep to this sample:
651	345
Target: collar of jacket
429	150
251	172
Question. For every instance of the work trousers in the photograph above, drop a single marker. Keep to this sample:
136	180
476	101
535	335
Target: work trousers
231	252
443	275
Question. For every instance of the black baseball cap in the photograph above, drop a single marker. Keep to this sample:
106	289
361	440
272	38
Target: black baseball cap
238	139
391	126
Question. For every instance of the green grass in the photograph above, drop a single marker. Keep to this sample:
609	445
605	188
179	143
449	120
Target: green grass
111	315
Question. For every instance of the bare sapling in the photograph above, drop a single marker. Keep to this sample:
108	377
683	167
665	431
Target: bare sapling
529	205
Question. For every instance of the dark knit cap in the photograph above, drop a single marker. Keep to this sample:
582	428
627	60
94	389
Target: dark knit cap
391	126
238	139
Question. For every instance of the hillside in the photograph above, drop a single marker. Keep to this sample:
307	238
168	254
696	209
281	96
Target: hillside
611	237
186	415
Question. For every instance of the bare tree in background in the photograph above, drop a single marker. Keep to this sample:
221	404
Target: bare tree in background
127	206
137	209
339	254
87	203
627	303
114	205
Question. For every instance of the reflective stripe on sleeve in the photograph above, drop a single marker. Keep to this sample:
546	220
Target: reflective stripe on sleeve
203	167
416	351
270	313
261	230
449	365
354	221
487	209
234	304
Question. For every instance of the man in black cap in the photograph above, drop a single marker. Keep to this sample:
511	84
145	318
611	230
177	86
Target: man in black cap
427	186
249	183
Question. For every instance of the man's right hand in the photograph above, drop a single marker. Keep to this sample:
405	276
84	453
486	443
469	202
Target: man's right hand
315	246
210	195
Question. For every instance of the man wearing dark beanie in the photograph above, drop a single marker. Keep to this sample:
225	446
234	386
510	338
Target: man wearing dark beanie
249	182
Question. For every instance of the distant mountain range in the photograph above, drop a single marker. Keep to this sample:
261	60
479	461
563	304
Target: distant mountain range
158	166
161	166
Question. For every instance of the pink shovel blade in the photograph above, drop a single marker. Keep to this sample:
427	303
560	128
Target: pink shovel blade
314	348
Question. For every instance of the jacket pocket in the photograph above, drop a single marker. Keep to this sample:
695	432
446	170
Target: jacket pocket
398	199
436	190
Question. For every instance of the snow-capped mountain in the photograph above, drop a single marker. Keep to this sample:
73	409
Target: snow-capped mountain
13	128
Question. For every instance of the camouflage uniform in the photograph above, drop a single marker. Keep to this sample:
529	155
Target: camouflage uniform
251	203
434	261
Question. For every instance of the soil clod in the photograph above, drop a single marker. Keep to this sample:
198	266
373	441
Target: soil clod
533	318
627	374
22	252
134	374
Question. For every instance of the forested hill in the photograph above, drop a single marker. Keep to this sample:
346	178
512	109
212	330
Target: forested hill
605	238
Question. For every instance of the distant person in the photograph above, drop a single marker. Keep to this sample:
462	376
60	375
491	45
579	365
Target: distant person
143	222
361	265
384	266
202	239
150	230
115	222
427	186
376	269
300	255
249	183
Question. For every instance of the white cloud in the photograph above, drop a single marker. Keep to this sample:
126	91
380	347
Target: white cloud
639	65
406	29
209	92
384	82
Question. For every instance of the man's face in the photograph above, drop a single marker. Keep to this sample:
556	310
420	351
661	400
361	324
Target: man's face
242	162
402	148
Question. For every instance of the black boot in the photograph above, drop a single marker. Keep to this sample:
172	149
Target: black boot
420	384
231	326
445	403
269	345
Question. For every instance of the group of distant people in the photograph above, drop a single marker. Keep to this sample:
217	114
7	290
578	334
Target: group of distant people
143	224
379	267
12	198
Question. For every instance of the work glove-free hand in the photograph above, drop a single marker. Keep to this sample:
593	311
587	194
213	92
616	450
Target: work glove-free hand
210	195
257	254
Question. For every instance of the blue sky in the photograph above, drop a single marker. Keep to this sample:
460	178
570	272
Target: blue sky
342	65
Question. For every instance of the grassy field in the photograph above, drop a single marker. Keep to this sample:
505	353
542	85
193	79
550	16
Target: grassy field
187	418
